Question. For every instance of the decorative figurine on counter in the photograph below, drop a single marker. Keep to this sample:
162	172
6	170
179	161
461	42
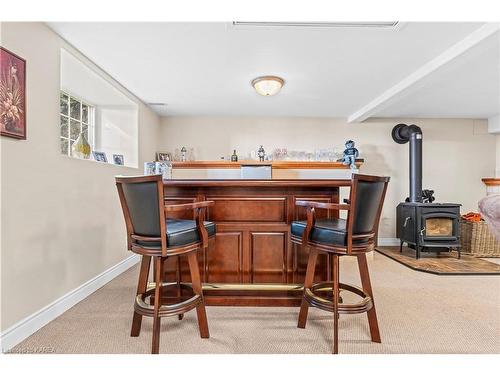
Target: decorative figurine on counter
234	157
261	153
183	153
350	155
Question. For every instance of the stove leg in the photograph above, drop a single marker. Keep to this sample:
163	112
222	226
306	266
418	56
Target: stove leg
417	249
458	252
401	246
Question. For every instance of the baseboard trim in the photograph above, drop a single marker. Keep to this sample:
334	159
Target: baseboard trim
26	327
388	242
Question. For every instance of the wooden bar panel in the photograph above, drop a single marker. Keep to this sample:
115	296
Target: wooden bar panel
225	259
301	255
252	244
187	215
245	209
268	252
300	212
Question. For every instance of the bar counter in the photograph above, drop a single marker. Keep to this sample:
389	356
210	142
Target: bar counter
288	164
252	260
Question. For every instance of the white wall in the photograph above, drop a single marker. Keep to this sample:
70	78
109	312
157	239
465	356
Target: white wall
497	173
61	218
457	153
116	133
115	113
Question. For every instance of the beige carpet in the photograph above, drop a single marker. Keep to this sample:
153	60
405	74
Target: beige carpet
418	313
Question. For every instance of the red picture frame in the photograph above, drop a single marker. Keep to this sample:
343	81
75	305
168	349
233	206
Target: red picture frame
12	95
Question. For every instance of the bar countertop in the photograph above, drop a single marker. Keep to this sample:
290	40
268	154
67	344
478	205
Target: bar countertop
284	164
258	183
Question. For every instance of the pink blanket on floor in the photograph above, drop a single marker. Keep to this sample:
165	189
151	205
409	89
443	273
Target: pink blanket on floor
489	207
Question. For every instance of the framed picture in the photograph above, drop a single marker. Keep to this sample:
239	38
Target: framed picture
163	156
100	156
12	95
118	159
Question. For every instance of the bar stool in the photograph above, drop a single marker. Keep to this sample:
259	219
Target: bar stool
155	237
355	237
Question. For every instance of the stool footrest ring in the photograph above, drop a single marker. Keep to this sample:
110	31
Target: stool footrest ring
143	308
343	308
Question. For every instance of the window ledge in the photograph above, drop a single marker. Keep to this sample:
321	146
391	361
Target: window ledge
97	162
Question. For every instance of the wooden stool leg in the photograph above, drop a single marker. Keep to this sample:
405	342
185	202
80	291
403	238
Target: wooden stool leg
141	288
179	279
156	318
367	287
336	292
196	283
311	266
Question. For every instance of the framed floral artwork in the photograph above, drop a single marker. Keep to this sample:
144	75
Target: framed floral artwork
12	95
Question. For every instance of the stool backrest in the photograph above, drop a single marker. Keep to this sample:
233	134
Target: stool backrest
141	198
366	200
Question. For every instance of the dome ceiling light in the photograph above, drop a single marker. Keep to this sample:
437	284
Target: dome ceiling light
268	85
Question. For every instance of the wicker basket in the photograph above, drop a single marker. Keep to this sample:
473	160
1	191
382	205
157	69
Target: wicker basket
477	240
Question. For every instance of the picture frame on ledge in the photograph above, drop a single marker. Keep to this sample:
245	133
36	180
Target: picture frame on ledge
12	95
100	156
163	156
118	159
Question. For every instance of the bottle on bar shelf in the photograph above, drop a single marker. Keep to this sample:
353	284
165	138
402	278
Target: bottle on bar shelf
234	157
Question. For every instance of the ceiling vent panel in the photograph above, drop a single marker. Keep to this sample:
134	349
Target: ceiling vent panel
371	25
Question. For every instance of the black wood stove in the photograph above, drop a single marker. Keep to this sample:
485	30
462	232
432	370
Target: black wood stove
423	225
429	226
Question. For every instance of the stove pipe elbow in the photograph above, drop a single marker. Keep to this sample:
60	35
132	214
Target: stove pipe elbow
401	134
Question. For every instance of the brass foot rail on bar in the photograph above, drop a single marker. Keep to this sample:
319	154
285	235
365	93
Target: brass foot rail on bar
264	287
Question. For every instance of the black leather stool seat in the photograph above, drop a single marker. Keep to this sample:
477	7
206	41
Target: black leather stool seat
180	233
327	231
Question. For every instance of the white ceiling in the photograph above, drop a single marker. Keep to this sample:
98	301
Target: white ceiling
467	87
206	68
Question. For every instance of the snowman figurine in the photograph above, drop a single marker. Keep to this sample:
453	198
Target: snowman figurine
350	155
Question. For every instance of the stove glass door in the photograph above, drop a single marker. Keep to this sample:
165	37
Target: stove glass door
439	226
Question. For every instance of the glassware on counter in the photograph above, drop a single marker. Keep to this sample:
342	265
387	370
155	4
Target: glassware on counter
317	155
277	154
164	168
284	153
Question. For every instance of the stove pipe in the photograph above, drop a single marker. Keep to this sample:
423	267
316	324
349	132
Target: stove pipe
401	134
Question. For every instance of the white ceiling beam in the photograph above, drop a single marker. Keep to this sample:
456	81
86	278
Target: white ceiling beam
392	94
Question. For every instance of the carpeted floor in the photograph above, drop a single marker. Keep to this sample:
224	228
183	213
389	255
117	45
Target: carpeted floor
418	313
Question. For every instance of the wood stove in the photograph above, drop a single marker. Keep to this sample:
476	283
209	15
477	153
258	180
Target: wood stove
424	226
428	226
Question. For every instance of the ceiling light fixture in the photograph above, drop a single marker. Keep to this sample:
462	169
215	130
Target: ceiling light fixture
268	85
